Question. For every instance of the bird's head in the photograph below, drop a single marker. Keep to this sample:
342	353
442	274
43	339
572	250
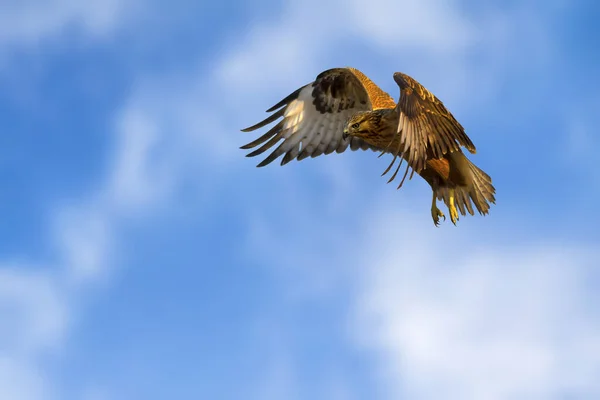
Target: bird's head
362	124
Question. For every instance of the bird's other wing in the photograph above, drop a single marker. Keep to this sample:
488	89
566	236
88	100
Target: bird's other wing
426	128
313	118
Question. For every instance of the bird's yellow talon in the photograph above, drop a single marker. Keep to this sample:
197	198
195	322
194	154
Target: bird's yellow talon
436	213
452	208
453	215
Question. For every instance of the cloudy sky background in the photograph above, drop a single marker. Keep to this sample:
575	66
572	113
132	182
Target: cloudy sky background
144	257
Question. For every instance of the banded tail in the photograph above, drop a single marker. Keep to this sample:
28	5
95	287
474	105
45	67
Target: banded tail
480	192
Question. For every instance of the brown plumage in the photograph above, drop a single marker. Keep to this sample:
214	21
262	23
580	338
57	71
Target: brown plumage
343	108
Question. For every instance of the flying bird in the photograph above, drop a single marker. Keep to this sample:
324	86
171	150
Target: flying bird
342	108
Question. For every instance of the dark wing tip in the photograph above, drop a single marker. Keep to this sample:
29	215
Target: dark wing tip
401	79
256	126
270	158
288	99
265	121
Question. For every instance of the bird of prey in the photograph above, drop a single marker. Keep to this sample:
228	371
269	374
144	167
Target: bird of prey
342	108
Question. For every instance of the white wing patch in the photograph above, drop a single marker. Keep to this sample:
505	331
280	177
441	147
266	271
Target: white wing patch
305	131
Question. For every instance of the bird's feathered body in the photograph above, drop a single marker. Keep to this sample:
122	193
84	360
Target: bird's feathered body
343	108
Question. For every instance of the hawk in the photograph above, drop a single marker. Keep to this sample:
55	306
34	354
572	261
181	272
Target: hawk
342	108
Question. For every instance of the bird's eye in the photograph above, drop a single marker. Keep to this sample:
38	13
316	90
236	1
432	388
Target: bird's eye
355	126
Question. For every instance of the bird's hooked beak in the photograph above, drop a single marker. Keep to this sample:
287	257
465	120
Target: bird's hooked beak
345	134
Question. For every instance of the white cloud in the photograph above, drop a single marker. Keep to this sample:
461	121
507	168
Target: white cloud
466	56
445	312
282	51
83	234
34	315
437	26
37	302
453	317
25	22
20	381
32	310
272	54
134	180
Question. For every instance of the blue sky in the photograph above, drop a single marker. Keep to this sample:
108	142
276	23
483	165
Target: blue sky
144	257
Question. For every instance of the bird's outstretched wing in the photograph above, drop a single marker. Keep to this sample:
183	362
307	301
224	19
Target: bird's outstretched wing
426	128
313	118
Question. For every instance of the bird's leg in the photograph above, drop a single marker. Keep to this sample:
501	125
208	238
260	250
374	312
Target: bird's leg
436	213
452	206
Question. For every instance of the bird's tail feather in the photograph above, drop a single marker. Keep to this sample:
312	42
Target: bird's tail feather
480	193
